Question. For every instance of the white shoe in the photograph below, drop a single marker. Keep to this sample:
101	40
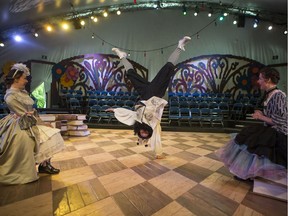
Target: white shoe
183	42
120	53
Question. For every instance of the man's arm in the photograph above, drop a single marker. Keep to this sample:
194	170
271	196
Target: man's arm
123	115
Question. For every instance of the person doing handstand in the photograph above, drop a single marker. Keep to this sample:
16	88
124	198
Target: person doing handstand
148	112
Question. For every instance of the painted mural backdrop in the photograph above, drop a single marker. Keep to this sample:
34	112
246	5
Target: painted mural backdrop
218	74
210	73
94	72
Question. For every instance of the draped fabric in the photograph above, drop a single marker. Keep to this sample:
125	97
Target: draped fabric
149	113
21	149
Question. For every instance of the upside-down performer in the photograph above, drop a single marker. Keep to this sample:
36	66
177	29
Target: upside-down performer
148	112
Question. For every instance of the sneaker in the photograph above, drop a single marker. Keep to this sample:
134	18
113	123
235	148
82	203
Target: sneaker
183	42
120	53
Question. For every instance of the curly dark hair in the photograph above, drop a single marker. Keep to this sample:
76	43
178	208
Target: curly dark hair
142	126
270	73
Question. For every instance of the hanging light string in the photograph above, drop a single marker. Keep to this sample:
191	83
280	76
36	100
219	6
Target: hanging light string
161	48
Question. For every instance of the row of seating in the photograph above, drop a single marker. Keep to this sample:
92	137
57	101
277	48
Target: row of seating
96	92
245	100
111	93
109	97
195	115
99	113
112	102
199	99
197	94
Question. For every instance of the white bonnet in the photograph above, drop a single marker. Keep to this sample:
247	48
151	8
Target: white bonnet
21	67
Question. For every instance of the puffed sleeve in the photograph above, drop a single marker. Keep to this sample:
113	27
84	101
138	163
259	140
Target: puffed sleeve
279	112
125	116
14	105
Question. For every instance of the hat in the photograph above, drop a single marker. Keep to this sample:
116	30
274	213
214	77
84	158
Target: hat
20	67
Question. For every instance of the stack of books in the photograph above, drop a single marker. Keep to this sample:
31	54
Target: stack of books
75	124
62	125
69	124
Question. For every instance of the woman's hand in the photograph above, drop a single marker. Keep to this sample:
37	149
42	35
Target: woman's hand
30	113
257	114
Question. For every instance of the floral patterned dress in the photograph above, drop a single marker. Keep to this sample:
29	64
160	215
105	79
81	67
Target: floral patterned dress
24	142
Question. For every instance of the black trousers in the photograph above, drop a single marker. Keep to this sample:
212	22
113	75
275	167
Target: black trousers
157	87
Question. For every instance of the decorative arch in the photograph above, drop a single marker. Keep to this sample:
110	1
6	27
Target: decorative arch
217	73
94	72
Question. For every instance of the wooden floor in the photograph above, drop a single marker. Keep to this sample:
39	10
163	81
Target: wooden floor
106	173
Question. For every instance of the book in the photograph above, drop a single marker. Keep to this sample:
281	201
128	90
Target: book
75	122
81	117
79	133
71	117
77	127
66	117
47	117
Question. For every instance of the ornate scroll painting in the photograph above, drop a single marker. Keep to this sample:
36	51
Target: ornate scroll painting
94	72
218	74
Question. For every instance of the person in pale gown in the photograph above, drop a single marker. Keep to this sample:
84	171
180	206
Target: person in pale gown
148	112
25	139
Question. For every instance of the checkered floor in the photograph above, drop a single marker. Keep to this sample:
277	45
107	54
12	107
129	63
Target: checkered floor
106	173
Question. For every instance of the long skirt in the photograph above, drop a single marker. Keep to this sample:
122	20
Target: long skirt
20	150
257	151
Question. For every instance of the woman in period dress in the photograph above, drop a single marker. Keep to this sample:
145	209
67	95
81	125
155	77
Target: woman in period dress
25	139
261	151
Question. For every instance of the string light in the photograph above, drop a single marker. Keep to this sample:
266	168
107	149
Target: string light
82	22
159	5
210	12
105	14
184	10
65	26
49	28
196	11
17	38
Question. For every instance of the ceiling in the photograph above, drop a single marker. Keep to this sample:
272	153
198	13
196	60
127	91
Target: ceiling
27	14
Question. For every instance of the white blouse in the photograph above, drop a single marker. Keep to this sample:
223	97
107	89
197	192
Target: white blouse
150	112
